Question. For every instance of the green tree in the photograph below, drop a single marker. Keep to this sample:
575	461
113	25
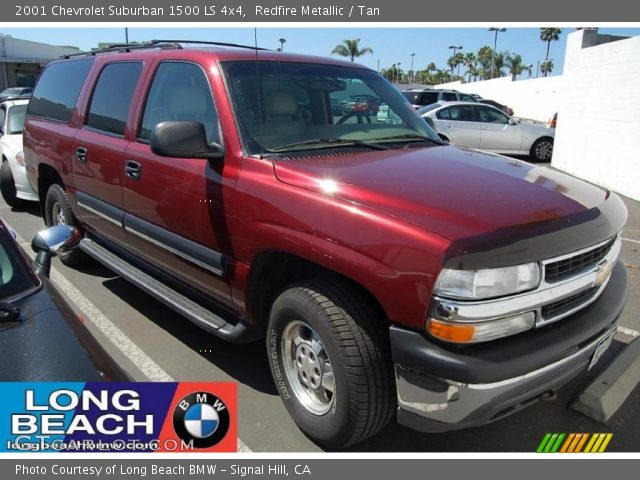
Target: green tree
515	65
549	35
471	62
500	59
351	49
546	67
485	59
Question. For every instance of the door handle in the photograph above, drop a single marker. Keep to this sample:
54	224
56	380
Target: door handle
81	155
132	169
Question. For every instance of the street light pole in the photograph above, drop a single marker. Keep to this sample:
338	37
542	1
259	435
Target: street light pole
126	35
412	55
495	46
454	48
282	42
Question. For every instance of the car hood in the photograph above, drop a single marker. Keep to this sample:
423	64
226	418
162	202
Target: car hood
13	143
455	192
537	130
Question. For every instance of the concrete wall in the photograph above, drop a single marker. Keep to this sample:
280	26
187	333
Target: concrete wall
598	103
536	98
598	133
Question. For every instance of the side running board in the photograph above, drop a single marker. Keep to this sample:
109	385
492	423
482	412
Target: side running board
175	300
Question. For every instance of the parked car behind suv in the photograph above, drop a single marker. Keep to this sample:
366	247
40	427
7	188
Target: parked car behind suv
477	125
388	272
422	97
14	186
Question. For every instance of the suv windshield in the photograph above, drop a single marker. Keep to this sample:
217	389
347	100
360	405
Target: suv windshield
283	106
15	123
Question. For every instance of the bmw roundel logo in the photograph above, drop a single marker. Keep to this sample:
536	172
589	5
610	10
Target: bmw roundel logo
201	418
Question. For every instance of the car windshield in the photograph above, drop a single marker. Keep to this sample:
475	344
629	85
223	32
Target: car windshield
15	123
428	108
14	276
11	91
286	106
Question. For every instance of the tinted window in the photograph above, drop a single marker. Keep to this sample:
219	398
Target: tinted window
428	98
180	91
491	115
57	91
449	97
412	97
14	277
460	113
112	96
466	98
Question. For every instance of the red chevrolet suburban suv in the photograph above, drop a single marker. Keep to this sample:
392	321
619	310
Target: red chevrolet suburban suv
387	271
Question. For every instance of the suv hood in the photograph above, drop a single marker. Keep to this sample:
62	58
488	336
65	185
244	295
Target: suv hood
455	192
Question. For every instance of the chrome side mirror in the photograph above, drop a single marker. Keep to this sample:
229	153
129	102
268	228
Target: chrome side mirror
513	121
52	241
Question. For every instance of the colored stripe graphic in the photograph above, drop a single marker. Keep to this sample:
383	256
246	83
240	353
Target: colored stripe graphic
574	443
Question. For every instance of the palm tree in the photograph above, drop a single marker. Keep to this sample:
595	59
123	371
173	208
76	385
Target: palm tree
471	62
351	49
473	71
499	62
485	58
549	35
515	65
546	67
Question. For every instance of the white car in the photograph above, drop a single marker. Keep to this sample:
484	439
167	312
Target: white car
14	186
487	128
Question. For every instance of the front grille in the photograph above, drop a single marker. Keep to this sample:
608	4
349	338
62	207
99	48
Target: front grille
568	267
567	304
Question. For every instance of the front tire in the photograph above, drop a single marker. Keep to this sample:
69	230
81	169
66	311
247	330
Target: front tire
542	149
58	211
8	187
330	359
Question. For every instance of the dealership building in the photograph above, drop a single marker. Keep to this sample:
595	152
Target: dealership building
21	61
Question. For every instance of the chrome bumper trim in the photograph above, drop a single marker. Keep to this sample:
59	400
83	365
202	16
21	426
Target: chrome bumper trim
455	404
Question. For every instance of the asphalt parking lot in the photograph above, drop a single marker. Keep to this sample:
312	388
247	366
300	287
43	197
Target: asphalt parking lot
155	343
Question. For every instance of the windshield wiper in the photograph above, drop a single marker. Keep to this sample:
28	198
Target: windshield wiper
328	142
412	137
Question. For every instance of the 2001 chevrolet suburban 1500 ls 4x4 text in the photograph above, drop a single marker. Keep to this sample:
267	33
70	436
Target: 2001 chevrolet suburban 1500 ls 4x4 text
387	271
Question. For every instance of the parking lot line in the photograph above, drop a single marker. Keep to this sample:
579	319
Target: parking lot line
629	331
630	240
121	341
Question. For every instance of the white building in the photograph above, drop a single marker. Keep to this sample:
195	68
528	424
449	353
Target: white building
597	99
21	61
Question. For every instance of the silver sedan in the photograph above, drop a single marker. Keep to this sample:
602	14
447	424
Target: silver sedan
487	128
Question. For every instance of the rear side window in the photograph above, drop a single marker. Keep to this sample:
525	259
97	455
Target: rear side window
112	96
449	97
428	98
57	91
466	98
180	92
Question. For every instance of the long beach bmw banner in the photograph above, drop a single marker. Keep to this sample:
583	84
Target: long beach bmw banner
118	417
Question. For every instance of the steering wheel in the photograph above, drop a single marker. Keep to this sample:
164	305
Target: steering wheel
359	115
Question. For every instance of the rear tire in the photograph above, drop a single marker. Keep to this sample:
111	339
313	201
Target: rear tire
8	187
58	211
325	331
542	149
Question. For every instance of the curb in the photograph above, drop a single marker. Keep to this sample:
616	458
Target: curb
608	391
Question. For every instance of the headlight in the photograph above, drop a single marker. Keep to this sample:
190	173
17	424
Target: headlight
20	159
488	283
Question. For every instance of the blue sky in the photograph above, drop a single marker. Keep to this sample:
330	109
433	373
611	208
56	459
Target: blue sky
390	45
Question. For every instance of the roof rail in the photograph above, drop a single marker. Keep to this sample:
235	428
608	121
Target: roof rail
219	44
160	44
126	47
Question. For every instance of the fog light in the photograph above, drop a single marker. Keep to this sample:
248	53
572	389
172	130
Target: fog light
473	332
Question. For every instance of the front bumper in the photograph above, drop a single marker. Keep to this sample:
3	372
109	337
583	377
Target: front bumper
23	188
443	387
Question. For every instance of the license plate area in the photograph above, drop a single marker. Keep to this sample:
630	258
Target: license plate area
602	347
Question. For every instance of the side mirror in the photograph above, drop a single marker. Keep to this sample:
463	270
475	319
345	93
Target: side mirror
513	121
52	241
9	312
183	140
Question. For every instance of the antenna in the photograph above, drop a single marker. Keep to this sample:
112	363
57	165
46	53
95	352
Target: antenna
259	93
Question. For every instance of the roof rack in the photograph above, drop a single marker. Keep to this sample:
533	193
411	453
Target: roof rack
155	44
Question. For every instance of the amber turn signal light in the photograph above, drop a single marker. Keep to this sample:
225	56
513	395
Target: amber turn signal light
450	332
